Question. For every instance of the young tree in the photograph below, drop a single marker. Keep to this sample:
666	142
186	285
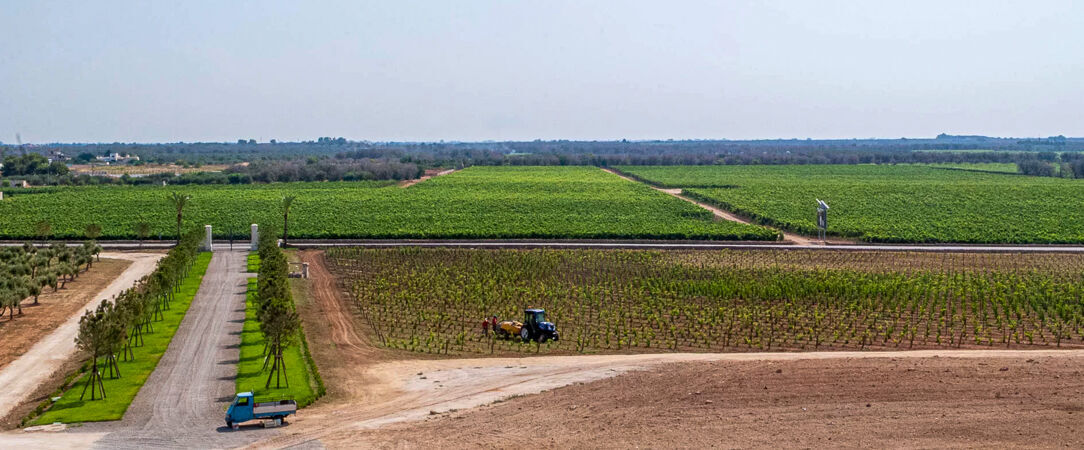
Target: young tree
142	231
93	231
43	229
287	202
19	289
33	288
93	340
179	201
279	324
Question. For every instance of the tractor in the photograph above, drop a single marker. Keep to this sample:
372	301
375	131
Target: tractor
533	328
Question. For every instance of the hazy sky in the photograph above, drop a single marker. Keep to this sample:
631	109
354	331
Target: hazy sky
152	71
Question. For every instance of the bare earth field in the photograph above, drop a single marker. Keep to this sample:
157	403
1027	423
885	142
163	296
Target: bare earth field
893	402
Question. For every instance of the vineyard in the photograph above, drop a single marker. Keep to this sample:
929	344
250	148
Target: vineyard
478	202
432	300
904	203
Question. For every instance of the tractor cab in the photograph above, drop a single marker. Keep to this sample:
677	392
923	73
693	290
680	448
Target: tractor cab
534	316
535	326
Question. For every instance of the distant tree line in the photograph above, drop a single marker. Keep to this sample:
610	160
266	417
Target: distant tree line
335	159
1063	165
549	152
269	171
32	164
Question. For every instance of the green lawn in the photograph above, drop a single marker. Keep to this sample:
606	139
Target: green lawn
120	391
253	262
251	377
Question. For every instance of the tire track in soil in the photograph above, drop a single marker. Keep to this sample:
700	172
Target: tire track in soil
339	318
183	402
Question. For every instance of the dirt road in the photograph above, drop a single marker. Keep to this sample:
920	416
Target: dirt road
24	374
1023	402
184	400
410	183
339	348
412	390
725	215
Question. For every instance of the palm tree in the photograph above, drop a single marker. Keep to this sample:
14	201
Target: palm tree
287	201
178	200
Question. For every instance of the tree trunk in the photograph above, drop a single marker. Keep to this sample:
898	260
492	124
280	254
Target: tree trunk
285	227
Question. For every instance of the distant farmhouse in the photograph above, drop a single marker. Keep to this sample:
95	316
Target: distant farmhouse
117	158
57	155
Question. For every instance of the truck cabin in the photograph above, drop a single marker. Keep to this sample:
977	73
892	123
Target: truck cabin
534	316
243	399
242	402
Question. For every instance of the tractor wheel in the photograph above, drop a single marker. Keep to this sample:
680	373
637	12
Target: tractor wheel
525	334
229	424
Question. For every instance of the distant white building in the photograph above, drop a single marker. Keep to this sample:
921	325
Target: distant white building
118	158
55	155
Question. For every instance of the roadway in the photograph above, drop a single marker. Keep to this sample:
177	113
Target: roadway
619	244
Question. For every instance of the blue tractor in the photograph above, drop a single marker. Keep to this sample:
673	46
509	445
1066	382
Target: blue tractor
533	328
536	328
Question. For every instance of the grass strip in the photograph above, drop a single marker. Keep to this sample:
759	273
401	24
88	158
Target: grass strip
121	391
253	262
251	375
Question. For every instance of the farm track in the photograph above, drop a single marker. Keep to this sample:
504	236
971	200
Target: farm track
22	376
722	214
410	183
1024	402
417	389
339	317
630	245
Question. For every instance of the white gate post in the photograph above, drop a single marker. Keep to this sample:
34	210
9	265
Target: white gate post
207	239
255	238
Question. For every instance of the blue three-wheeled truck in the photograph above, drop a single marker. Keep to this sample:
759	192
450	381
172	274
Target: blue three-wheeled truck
244	408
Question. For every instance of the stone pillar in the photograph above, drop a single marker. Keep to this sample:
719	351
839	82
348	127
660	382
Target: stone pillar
207	241
255	238
305	270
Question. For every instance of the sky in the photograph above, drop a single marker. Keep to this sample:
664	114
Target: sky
164	71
